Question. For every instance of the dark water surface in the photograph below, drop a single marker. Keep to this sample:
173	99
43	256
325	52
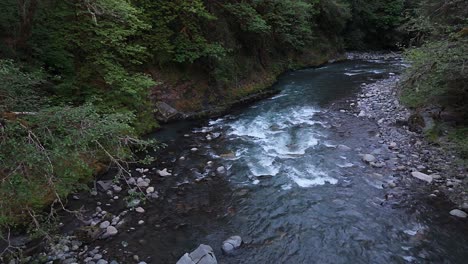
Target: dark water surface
289	193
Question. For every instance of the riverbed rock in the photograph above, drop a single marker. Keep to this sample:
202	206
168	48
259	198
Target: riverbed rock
231	244
368	158
202	255
139	210
458	213
422	176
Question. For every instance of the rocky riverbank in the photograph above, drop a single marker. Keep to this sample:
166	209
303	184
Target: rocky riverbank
413	157
189	186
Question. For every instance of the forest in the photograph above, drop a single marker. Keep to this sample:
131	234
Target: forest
80	79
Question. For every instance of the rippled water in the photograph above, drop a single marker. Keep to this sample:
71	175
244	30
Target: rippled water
296	198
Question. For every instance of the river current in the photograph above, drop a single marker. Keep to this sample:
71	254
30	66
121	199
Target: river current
292	191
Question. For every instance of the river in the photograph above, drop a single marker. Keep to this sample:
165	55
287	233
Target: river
291	189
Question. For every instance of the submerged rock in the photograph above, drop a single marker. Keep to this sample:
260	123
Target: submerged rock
202	255
422	176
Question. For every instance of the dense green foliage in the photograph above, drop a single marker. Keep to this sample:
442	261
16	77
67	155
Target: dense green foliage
438	76
46	154
79	76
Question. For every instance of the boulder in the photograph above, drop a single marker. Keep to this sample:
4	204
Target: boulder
202	255
165	112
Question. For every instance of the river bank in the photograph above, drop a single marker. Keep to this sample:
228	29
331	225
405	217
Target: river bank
199	191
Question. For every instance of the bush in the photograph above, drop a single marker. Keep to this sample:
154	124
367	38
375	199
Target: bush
438	75
46	152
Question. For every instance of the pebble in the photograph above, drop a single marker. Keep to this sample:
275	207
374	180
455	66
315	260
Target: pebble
139	210
150	190
194	149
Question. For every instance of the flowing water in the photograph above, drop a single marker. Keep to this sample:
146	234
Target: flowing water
290	193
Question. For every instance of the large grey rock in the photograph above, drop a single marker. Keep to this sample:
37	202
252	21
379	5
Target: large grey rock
165	112
202	255
185	259
458	213
422	176
231	244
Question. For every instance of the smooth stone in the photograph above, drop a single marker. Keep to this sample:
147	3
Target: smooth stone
139	210
194	149
102	261
368	158
422	176
111	231
458	213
